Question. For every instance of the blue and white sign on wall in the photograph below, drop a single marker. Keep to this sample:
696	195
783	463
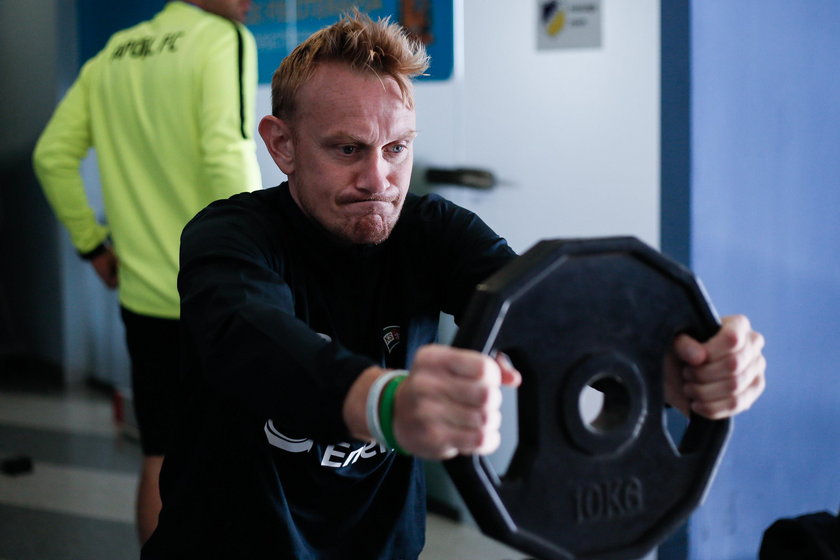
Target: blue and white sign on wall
280	25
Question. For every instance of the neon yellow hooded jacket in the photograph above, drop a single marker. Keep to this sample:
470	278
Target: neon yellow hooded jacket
168	106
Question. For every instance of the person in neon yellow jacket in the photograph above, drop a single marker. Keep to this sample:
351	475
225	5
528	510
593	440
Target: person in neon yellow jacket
168	106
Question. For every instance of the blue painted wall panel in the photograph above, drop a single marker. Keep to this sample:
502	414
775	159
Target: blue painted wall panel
99	19
278	28
766	242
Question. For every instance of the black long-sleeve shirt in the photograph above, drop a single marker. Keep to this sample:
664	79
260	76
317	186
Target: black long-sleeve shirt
279	321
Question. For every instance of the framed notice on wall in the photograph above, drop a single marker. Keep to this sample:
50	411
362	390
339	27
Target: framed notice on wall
280	25
568	24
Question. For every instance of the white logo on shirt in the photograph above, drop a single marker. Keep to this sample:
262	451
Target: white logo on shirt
391	337
335	456
284	442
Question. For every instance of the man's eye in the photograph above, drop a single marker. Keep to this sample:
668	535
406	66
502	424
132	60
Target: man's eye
398	148
349	150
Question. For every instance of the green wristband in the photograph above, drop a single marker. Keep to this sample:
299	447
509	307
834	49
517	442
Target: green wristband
386	414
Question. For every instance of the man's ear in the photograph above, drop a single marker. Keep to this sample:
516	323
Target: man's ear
277	136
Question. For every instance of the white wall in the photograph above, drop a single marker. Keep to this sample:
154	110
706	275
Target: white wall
573	135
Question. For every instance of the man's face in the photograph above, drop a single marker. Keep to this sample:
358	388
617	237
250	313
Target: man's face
352	141
236	10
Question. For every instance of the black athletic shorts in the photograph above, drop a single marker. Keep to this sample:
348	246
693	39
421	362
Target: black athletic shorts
155	370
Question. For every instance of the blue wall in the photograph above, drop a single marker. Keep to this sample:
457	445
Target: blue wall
765	231
99	19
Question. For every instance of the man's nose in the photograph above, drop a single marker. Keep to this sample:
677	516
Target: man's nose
373	177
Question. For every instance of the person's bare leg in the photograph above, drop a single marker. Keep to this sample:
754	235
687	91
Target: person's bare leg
148	497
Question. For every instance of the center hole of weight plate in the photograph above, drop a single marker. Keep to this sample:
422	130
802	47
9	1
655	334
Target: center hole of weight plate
604	403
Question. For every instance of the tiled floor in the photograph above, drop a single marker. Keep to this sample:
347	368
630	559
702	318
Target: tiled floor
77	502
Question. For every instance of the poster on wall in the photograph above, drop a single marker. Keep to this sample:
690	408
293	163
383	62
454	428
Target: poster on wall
568	24
280	25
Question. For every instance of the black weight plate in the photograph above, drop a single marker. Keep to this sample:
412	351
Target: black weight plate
572	313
